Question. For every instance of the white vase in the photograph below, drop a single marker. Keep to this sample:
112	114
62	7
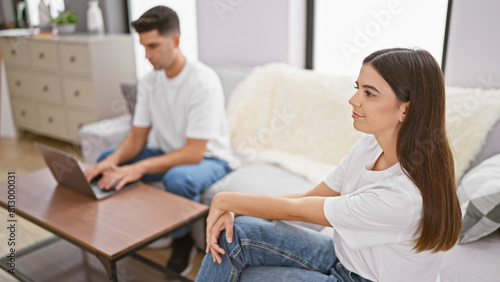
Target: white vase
95	23
65	28
44	12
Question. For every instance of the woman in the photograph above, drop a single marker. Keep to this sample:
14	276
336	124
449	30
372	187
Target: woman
391	201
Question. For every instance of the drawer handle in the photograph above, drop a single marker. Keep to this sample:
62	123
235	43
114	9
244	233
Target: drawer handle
18	83
72	59
77	93
45	88
50	120
23	113
13	52
41	55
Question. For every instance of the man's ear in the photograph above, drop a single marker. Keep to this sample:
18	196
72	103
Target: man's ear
176	38
404	108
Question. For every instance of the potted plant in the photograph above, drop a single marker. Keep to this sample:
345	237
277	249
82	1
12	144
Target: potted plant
65	22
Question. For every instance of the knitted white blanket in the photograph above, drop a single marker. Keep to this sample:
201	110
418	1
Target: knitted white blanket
301	120
470	115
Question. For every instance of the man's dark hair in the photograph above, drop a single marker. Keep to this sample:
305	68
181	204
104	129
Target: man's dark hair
162	18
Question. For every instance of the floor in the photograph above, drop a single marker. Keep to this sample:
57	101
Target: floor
21	156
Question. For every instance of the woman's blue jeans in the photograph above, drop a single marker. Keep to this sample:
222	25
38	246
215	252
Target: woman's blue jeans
296	254
188	181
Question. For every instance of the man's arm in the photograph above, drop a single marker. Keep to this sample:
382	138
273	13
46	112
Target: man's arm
128	149
131	146
192	153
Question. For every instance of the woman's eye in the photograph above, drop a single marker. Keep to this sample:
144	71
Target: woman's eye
356	87
369	94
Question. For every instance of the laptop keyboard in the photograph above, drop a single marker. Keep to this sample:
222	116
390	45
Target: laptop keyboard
112	189
94	184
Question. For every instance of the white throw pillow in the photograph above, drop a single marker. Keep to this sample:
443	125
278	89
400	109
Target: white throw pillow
479	194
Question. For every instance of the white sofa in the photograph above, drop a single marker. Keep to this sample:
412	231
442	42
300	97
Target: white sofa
476	261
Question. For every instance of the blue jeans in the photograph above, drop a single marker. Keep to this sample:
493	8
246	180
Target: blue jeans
295	254
188	181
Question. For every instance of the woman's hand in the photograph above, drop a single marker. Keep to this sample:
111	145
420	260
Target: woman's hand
226	221
218	220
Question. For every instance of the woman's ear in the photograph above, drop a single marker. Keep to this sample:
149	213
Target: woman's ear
403	109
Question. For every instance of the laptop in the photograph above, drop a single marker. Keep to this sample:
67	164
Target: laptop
68	173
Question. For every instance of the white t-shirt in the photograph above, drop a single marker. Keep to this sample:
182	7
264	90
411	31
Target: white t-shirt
375	219
189	105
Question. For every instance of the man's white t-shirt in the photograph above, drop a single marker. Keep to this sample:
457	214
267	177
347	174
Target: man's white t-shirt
189	105
375	219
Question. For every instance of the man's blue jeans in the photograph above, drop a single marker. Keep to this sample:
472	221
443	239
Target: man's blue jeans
188	181
297	254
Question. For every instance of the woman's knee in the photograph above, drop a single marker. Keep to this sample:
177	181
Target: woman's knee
248	227
245	221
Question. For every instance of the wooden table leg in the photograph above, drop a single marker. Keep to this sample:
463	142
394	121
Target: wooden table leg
109	266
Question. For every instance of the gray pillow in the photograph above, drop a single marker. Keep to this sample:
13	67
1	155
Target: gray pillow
129	93
491	145
479	193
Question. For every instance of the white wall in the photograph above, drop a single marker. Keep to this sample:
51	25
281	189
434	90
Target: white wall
249	33
473	58
348	31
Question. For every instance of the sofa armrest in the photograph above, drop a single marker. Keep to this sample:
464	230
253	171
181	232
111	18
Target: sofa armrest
104	134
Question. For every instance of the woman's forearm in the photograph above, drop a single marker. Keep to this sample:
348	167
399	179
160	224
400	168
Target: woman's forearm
320	190
308	209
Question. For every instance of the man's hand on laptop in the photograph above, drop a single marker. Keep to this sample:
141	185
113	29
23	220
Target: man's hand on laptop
120	175
98	169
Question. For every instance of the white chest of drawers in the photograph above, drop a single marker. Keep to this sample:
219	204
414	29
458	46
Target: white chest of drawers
58	85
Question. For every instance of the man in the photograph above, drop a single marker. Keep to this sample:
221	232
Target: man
182	103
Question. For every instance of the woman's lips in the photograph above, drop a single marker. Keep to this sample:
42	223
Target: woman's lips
355	115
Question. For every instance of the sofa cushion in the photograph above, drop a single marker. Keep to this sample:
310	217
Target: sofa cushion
99	136
479	193
476	261
129	93
491	145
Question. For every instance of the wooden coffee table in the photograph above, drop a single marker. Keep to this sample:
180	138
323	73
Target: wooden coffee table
112	228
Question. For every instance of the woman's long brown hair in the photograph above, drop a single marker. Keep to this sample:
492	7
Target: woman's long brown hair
422	146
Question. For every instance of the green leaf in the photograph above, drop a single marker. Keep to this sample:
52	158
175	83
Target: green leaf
66	17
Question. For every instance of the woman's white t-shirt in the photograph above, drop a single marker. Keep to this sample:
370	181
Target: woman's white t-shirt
375	219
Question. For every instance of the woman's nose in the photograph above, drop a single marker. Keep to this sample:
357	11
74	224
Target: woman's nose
354	101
